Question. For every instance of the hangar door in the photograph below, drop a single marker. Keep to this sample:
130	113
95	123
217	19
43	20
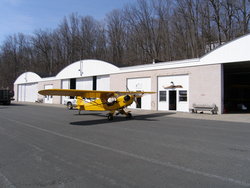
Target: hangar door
27	92
237	87
84	83
48	98
65	85
93	83
103	83
140	84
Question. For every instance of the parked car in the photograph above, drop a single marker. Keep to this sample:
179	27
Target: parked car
70	103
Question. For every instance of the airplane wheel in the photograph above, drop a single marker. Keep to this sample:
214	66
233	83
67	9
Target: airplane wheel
110	117
69	106
129	115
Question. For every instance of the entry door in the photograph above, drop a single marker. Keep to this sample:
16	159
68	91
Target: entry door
48	98
172	100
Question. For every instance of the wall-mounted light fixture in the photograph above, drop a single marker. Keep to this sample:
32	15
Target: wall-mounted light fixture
172	86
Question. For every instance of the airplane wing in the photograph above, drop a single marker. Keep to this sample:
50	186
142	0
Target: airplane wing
89	93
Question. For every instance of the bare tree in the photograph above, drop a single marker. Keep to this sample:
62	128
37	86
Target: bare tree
163	16
242	15
15	58
140	19
136	34
44	51
216	17
116	36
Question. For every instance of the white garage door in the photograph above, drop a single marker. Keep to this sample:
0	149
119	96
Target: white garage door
48	98
176	98
21	93
65	85
141	84
84	83
103	83
27	92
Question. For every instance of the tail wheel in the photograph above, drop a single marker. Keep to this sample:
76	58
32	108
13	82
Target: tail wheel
110	117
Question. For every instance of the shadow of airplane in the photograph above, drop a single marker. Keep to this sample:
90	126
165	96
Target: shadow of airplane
144	117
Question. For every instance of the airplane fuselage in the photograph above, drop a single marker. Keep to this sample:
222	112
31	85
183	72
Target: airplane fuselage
103	105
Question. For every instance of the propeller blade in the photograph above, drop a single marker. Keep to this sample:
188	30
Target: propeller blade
135	99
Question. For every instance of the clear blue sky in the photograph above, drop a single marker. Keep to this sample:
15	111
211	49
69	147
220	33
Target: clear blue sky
26	16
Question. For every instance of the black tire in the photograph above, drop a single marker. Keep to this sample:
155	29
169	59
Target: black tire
69	106
110	117
129	115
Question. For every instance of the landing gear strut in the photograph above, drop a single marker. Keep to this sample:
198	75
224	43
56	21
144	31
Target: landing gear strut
129	115
120	111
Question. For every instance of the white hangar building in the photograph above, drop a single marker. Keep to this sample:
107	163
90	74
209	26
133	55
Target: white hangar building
84	74
221	77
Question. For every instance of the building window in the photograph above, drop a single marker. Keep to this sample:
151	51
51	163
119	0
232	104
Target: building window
183	95
163	95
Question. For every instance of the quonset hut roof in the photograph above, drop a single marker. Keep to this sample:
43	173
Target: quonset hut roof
86	68
28	77
236	50
83	68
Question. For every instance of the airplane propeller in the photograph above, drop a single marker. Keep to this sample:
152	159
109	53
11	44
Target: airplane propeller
135	99
127	98
135	96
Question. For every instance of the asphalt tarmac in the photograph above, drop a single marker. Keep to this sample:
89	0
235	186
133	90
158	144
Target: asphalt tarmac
43	146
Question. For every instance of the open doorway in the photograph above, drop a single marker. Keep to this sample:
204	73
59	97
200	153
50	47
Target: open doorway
172	100
72	85
138	102
237	87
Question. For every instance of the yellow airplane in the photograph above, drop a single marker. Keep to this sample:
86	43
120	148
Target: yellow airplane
111	101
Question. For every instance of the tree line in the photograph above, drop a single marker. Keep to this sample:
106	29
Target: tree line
165	30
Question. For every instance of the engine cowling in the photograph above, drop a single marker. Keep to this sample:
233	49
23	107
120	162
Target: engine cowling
127	98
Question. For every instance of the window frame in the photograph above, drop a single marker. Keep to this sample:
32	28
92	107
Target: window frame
160	96
183	97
